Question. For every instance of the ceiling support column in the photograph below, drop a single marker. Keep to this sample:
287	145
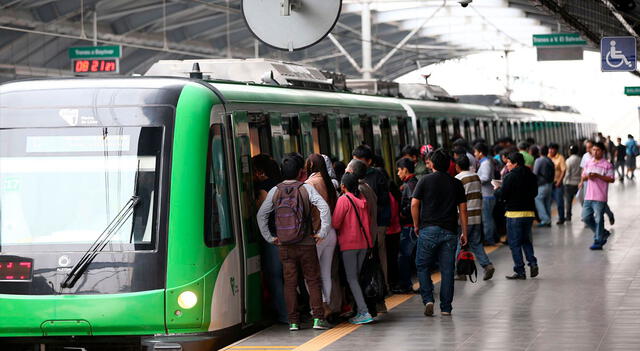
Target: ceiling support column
366	41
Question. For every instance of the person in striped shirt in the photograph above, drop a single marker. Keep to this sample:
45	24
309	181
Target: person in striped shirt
473	191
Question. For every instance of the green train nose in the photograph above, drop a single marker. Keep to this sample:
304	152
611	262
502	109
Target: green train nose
66	327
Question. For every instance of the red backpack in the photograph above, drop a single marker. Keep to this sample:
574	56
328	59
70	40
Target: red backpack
292	214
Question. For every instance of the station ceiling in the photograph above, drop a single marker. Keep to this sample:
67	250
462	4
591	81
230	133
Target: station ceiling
35	34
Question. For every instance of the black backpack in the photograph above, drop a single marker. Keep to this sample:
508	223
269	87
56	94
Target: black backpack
466	264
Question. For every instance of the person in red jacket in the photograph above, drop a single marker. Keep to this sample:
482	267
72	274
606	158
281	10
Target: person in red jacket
351	221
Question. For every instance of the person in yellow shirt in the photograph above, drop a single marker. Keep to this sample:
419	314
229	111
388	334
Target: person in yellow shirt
560	167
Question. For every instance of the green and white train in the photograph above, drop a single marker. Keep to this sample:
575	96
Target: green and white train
126	204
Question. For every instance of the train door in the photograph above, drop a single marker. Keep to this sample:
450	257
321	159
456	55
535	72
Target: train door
386	145
250	286
433	133
320	134
347	139
396	143
377	134
443	134
468	134
356	131
227	302
335	130
402	131
277	143
291	135
259	134
306	133
366	125
456	133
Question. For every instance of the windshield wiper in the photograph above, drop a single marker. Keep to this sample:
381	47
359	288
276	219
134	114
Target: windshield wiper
100	243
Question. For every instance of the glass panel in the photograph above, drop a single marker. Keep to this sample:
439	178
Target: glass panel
217	228
65	185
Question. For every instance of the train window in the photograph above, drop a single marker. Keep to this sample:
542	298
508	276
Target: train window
433	133
421	137
259	134
291	134
467	131
403	131
456	129
217	228
387	145
320	133
367	130
444	130
347	138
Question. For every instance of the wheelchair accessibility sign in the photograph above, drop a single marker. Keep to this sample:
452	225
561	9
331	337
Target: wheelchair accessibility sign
618	54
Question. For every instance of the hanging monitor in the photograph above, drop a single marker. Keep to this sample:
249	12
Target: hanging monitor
291	24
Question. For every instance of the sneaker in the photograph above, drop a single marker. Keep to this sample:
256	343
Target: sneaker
612	220
544	225
361	319
534	271
445	313
294	327
568	219
461	277
560	222
595	247
320	324
516	276
381	307
488	272
428	309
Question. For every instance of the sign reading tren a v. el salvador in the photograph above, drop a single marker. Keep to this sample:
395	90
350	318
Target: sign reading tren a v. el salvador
558	39
631	91
87	52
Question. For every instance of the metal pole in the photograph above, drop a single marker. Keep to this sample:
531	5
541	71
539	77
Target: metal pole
95	27
256	48
344	52
366	40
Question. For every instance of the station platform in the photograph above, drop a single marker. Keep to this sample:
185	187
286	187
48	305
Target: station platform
582	300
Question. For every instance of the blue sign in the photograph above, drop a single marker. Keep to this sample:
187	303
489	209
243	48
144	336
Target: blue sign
618	54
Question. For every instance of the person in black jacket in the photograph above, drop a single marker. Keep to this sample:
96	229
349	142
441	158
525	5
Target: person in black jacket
518	191
408	238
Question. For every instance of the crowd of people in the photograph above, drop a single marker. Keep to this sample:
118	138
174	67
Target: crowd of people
325	223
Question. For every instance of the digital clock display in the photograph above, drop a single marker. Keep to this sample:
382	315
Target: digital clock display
15	269
95	66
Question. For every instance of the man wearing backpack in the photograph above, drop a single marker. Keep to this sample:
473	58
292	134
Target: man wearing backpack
632	153
290	202
545	172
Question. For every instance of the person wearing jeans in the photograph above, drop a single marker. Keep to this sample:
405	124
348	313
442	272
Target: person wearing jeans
408	238
560	169
519	236
302	254
544	169
486	172
473	192
438	226
597	174
436	244
518	191
571	179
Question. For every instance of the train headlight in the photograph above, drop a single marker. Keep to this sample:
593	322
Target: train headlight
187	299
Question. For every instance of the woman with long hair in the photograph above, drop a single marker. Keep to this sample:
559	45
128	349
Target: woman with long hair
319	178
351	220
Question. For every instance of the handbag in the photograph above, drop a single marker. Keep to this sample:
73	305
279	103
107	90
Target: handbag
466	264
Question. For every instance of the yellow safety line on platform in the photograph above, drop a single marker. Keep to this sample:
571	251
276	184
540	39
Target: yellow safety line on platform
336	333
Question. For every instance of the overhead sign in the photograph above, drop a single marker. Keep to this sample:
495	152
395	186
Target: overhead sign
560	53
91	52
558	39
95	66
631	91
618	54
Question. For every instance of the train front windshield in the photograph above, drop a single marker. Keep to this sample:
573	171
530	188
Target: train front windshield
61	187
